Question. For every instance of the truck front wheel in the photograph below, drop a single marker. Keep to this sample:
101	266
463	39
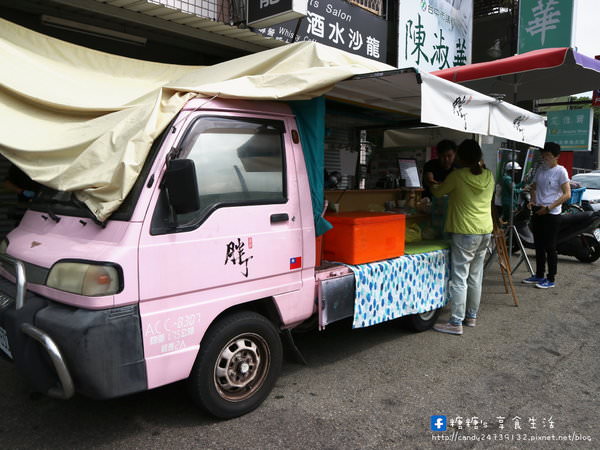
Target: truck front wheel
237	365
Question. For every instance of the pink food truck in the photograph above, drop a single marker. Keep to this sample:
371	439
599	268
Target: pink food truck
204	270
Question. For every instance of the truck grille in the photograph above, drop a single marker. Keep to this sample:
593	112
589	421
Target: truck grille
34	274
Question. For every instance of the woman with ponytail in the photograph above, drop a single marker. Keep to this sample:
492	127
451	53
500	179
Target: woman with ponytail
469	221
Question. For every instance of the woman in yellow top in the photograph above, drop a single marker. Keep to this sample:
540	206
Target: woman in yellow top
469	221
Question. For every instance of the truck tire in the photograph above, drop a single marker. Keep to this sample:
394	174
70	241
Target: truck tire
237	366
423	321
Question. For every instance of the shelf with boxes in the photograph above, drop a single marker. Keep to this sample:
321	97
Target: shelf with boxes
375	200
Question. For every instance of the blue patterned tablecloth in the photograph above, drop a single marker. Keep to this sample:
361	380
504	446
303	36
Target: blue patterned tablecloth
410	284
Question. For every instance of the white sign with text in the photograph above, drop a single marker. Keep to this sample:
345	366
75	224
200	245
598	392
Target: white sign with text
435	34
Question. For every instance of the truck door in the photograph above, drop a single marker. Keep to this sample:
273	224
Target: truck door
245	240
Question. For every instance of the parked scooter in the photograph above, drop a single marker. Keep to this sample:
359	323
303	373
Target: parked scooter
578	236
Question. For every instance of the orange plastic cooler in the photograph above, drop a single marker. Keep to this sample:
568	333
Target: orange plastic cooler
360	237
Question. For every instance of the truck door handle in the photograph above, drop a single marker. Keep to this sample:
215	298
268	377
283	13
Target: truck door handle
279	218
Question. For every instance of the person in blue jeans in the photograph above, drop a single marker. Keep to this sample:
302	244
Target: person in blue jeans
469	221
549	191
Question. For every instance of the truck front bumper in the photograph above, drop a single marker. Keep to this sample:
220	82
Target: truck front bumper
62	349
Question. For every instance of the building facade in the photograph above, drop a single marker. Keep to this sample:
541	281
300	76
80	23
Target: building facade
193	32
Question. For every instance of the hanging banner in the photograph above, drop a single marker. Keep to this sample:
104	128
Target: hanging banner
435	34
338	24
516	124
544	24
451	105
572	130
454	106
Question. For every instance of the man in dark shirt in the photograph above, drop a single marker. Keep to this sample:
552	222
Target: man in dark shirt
436	170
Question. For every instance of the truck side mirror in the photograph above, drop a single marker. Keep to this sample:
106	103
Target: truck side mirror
181	186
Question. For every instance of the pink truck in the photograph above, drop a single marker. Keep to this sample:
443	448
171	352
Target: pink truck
200	274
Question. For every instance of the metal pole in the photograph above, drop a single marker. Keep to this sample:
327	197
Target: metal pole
512	188
297	29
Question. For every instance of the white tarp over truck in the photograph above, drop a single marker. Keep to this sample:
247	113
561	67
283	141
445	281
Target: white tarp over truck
79	120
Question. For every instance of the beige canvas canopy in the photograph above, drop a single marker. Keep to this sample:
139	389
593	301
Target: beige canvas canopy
75	119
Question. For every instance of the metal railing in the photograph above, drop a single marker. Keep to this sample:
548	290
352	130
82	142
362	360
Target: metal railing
234	11
374	6
65	389
227	11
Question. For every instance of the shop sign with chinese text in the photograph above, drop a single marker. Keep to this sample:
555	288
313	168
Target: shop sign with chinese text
435	34
544	24
338	24
572	130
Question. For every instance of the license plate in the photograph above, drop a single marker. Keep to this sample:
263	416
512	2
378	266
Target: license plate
597	234
4	342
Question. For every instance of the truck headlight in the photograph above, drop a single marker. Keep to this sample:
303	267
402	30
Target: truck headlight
85	278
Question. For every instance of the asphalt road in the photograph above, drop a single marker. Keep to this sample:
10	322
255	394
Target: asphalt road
376	387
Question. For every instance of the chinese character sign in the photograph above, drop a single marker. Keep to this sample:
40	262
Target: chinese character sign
435	34
338	24
544	24
572	130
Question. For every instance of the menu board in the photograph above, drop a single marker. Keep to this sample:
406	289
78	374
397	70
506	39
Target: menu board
409	172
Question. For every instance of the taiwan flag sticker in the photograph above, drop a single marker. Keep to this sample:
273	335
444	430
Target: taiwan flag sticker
296	263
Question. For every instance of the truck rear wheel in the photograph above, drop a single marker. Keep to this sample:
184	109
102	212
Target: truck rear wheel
237	366
423	321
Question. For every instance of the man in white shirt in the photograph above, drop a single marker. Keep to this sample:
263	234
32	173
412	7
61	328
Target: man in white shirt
549	191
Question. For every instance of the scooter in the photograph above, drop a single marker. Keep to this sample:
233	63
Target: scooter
578	235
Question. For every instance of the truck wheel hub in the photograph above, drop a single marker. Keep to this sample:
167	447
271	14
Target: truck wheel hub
241	367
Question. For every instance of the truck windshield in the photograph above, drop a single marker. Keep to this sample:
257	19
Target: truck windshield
51	201
59	202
